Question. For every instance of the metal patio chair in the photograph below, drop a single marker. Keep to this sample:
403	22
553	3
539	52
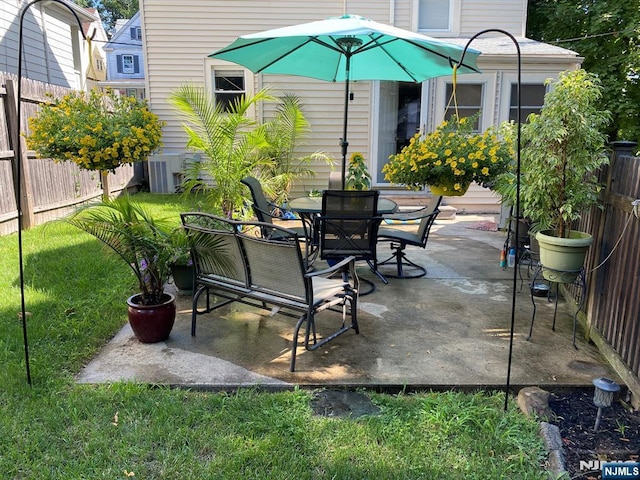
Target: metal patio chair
348	226
264	212
399	239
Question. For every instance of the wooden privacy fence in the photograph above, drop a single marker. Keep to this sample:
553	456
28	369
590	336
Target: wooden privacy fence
613	268
49	190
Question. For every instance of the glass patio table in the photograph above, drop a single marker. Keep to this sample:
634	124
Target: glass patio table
310	207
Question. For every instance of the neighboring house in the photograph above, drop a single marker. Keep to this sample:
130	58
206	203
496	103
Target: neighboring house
382	114
54	50
125	59
97	67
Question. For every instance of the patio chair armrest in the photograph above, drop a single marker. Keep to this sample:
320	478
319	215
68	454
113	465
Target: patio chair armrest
334	268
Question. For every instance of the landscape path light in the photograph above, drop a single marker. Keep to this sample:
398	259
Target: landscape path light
603	396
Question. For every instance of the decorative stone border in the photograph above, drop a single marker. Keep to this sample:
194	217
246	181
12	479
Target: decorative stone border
534	401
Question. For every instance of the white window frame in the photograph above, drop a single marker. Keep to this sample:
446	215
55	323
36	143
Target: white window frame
509	79
138	33
453	30
128	69
488	82
213	66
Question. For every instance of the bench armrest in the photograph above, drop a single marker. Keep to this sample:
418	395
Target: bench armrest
331	269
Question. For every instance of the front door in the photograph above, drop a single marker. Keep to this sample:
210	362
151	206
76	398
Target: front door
400	116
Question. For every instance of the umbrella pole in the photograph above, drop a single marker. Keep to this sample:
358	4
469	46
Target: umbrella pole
343	141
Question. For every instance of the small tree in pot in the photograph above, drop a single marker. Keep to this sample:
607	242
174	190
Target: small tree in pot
563	147
144	244
95	130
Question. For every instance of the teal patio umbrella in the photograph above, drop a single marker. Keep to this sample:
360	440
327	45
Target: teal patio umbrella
348	48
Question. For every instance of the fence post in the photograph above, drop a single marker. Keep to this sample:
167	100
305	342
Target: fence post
24	202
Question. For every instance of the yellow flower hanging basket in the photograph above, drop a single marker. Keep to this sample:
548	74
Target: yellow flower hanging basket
452	156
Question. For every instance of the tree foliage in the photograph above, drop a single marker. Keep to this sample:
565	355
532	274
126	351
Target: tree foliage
112	10
607	35
285	132
95	130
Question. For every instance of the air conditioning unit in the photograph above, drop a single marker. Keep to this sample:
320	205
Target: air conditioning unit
165	172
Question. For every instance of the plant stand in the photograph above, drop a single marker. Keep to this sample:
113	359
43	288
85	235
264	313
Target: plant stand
549	275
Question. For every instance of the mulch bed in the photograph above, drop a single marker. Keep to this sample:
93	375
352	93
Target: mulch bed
617	439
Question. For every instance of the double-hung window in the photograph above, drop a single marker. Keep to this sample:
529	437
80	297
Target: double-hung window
128	64
136	33
468	100
229	86
438	17
532	99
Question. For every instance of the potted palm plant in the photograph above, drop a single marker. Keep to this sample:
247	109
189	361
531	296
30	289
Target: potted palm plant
145	245
563	147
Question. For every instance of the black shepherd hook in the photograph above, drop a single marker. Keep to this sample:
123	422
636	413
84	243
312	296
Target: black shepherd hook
517	233
18	169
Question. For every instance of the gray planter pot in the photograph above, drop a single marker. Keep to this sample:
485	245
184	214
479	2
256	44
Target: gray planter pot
565	256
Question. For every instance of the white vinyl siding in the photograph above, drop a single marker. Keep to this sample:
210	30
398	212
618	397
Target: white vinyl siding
478	15
173	57
47	41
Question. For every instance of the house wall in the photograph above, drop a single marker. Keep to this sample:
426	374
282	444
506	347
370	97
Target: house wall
179	37
478	15
97	65
50	33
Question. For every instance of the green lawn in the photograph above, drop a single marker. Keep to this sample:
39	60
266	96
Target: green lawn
75	296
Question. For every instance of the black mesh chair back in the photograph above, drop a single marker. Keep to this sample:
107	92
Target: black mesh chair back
348	226
350	203
262	208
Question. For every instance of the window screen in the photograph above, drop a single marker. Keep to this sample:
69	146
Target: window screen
434	15
532	99
469	101
228	86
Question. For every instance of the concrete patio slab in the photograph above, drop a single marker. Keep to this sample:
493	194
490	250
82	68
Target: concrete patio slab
449	329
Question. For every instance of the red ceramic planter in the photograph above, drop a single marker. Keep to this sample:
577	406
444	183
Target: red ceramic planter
152	323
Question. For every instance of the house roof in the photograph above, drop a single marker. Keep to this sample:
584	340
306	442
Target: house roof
123	29
121	22
83	14
497	46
